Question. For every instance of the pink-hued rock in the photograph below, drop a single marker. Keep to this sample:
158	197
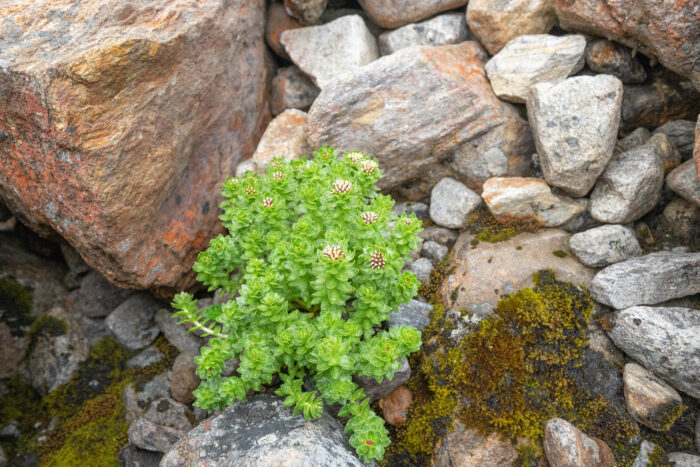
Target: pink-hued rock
276	23
119	120
392	14
567	446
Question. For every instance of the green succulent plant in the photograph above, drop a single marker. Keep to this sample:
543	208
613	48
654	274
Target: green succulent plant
313	259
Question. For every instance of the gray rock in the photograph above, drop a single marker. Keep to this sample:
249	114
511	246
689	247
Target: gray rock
682	218
440	235
450	28
645	451
528	199
451	203
291	89
567	446
421	268
177	334
73	259
611	58
575	124
629	187
684	181
528	60
376	390
638	137
146	357
132	456
434	251
697	433
184	377
649	399
327	52
97	297
415	314
58	349
663	340
666	150
492	163
648	280
306	11
682	134
161	426
683	459
581	222
392	14
419	209
331	14
605	245
94	329
261	431
132	322
136	399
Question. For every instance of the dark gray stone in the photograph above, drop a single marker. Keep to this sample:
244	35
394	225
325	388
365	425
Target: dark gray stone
450	28
440	235
161	426
415	313
97	297
434	251
131	456
146	357
421	268
682	134
451	203
177	334
132	322
611	58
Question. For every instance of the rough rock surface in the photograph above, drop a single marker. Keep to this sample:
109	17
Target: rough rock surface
119	125
648	280
682	134
132	322
385	113
664	341
261	431
276	22
184	377
306	11
163	424
528	199
611	58
629	187
646	448
669	30
434	251
466	447
392	14
567	446
497	23
666	150
395	406
136	400
421	268
682	218
450	28
97	297
528	60
329	51
414	313
575	124
12	348
284	137
291	89
636	138
684	181
177	334
439	234
605	245
451	203
683	459
132	456
696	148
650	400
489	270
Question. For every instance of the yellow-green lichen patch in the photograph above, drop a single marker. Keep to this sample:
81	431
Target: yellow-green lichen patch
49	326
560	253
487	228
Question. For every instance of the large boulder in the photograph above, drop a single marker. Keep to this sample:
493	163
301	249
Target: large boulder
120	120
668	30
421	106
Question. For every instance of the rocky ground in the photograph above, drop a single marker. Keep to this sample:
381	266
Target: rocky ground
551	150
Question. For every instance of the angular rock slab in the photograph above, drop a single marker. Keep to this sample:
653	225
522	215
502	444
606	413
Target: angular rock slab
291	89
668	30
329	51
261	431
284	137
466	447
451	203
602	246
663	340
118	126
648	280
650	400
610	58
685	181
392	14
443	29
276	22
575	124
528	60
418	106
497	23
567	446
489	270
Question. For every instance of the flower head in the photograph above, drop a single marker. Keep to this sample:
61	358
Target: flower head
376	260
250	190
276	164
333	252
355	156
278	175
369	217
341	186
268	202
368	167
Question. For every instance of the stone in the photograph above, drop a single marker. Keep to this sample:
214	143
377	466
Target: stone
278	21
291	89
386	114
649	399
529	200
611	58
131	456
136	399
451	203
644	457
567	446
97	297
284	137
663	340
421	210
121	121
636	138
575	124
666	150
146	357
488	270
395	406
307	12
605	245
12	348
72	258
434	251
450	28
697	433
331	14
328	52
497	23
581	222
392	14
132	322
440	235
261	431
629	187
415	314
528	60
696	148
682	134
648	280
682	219
164	423
177	334
664	97
683	459
668	31
376	390
184	378
684	181
58	348
466	447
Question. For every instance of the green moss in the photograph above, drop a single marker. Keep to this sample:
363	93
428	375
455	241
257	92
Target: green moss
560	253
667	415
48	325
528	456
519	247
16	303
487	228
657	458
